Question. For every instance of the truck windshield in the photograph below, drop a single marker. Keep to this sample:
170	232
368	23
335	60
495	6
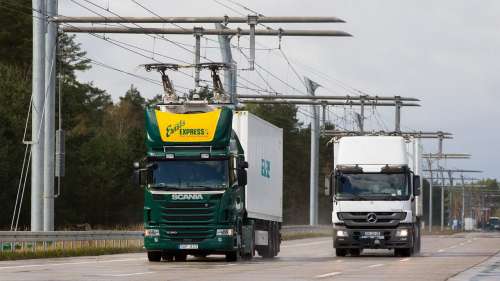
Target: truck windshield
372	186
190	175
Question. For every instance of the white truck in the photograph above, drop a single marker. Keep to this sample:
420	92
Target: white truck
376	195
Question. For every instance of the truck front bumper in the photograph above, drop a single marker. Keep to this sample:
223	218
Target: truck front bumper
372	238
215	245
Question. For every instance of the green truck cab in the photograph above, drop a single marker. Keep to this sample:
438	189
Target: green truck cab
194	178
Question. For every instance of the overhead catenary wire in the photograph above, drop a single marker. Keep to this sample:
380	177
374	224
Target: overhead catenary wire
160	17
281	51
142	28
356	91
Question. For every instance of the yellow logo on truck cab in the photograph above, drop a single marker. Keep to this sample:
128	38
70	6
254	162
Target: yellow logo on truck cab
194	127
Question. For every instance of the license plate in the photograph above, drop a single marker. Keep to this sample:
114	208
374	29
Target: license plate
188	246
372	235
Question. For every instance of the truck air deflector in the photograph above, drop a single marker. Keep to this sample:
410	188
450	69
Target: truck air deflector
165	129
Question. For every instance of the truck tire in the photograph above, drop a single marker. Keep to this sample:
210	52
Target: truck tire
167	257
270	250
232	256
154	256
277	240
355	252
340	252
417	240
402	252
180	257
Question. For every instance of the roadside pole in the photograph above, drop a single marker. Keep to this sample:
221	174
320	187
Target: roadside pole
37	134
313	186
49	136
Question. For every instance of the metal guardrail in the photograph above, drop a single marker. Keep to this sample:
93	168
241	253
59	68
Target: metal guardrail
12	241
28	240
51	236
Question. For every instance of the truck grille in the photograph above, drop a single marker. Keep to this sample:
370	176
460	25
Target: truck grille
371	219
189	221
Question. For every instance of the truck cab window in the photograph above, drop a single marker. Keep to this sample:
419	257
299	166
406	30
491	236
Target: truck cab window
373	186
190	174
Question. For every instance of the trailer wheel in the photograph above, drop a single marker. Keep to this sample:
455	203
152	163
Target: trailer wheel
340	252
154	256
269	251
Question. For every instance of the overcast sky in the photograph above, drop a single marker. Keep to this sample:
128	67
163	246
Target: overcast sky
442	52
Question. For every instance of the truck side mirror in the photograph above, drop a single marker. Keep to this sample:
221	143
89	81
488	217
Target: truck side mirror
416	185
136	177
242	164
242	177
328	187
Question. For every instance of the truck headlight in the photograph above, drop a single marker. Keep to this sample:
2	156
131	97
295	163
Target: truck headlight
402	233
151	232
342	233
225	232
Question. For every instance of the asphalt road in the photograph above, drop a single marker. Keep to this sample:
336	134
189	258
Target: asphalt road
460	257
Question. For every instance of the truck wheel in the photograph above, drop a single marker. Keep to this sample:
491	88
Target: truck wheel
154	256
232	256
167	257
355	252
402	252
340	252
269	251
417	242
180	257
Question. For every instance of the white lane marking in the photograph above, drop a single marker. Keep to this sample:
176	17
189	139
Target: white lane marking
441	250
327	275
474	238
306	244
461	244
340	261
406	259
68	263
132	274
375	265
469	241
454	246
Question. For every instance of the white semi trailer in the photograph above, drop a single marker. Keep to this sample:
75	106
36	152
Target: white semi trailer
376	195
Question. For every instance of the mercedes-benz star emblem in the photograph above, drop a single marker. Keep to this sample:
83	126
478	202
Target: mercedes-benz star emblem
371	218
